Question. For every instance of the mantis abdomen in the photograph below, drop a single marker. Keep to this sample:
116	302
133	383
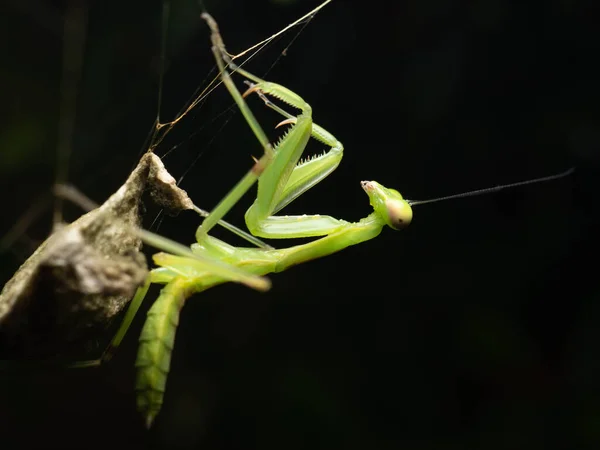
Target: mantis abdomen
156	344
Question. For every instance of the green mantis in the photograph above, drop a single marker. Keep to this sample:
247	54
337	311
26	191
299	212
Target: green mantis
282	177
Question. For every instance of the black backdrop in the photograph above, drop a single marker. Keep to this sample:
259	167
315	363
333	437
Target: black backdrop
476	327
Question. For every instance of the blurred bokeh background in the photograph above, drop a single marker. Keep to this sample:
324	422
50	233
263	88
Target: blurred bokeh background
476	327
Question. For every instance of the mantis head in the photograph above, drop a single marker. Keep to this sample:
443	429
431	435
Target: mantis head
397	212
388	204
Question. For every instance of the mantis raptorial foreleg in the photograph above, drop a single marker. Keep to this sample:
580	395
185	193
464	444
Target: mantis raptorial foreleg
281	179
311	170
287	178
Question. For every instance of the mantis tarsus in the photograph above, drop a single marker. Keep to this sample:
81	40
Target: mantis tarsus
282	177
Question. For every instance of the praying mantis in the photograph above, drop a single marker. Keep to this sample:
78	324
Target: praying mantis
282	177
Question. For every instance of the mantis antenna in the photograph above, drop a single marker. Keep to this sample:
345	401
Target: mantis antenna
494	189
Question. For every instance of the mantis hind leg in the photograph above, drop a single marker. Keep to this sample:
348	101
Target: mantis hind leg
132	310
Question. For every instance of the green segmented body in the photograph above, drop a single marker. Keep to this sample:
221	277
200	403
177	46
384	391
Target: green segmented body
156	345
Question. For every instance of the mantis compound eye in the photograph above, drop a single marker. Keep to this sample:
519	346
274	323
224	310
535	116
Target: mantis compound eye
399	213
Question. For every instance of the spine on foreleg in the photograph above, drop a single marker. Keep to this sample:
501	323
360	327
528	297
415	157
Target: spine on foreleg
156	344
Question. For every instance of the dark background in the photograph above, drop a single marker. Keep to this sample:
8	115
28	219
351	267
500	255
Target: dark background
476	327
